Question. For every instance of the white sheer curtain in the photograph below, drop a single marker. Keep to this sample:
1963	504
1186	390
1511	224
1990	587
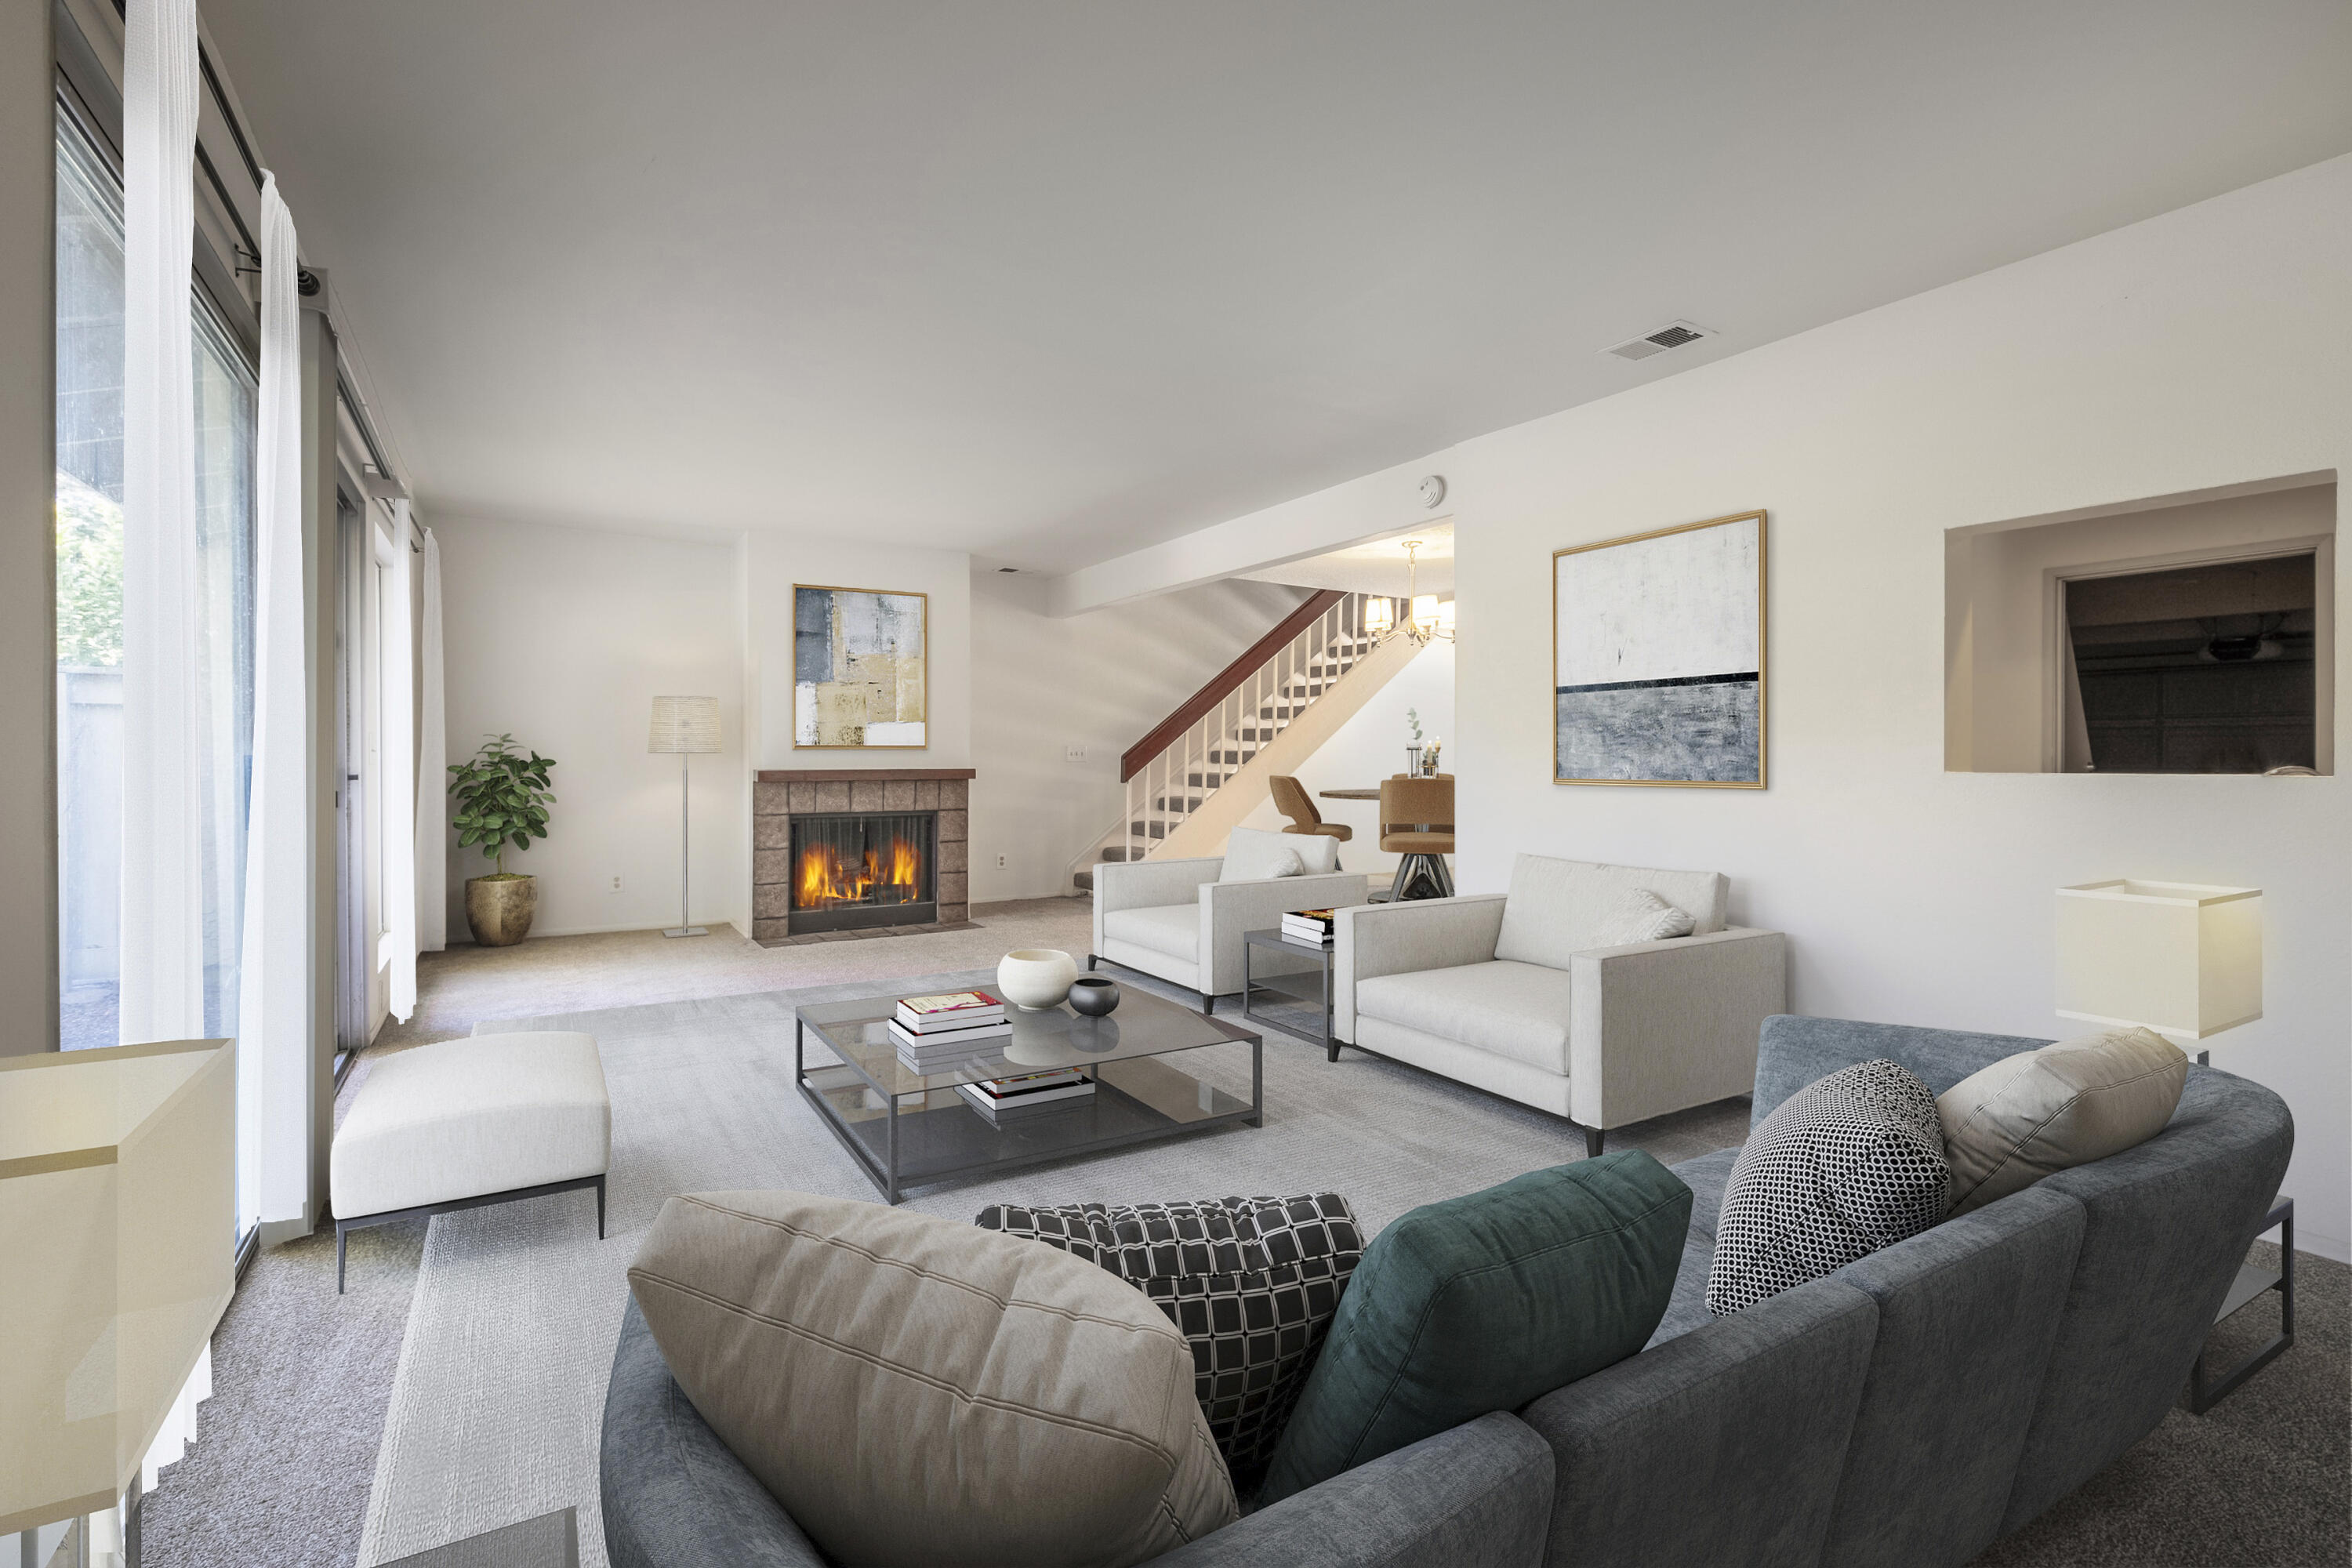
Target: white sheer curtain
432	767
273	995
163	940
400	768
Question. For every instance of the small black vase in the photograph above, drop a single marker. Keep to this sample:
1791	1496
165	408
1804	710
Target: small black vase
1092	996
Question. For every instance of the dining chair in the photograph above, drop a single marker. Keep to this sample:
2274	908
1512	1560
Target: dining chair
1291	799
1417	823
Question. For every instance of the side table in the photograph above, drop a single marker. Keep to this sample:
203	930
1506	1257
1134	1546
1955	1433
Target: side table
2207	1390
1321	956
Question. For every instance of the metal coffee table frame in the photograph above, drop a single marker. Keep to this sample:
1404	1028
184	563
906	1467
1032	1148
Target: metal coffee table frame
1140	1097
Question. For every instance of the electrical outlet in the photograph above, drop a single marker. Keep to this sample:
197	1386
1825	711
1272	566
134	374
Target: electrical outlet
617	884
999	862
1074	754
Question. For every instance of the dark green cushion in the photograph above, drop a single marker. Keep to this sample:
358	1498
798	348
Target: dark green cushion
1483	1304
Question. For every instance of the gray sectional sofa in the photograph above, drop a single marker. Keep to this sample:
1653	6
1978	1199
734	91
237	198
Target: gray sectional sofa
1909	1409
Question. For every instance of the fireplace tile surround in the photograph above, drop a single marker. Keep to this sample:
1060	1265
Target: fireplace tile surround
778	793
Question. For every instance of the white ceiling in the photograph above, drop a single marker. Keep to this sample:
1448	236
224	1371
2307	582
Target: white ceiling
1049	282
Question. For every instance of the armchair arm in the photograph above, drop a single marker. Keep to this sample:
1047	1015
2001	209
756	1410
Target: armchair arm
1477	1496
1396	939
1230	908
1656	1027
1147	884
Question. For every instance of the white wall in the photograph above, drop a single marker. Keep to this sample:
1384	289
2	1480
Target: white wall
1101	680
564	637
2205	348
1369	747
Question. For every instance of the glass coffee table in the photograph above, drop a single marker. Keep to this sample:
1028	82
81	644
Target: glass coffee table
907	1128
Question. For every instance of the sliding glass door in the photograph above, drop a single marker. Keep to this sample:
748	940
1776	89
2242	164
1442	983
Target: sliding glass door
89	387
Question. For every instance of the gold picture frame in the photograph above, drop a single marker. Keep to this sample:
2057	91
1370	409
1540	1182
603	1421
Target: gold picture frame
812	721
1658	718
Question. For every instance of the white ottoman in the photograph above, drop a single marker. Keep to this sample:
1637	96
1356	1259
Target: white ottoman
487	1120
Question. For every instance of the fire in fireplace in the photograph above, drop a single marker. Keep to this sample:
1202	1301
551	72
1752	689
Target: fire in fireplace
868	868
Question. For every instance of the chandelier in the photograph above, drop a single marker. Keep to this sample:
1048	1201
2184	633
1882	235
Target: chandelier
1426	619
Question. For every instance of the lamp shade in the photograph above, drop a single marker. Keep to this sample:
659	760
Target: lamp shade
118	1212
2179	958
684	724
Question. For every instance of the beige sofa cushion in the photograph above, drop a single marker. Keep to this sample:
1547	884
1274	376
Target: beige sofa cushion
1515	1010
2009	1125
1561	908
915	1391
1172	928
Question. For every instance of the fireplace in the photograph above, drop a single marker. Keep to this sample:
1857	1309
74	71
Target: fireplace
855	871
782	799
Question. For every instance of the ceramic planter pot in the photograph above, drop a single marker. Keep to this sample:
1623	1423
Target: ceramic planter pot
499	909
1036	978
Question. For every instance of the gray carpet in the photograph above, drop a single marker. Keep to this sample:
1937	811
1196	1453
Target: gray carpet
487	1404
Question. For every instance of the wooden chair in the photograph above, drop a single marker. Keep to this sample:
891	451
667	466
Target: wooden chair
1291	799
1417	823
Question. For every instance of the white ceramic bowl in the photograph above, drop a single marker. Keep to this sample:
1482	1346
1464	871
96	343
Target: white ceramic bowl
1036	978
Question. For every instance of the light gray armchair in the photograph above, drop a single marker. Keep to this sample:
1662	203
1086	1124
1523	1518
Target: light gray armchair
1515	994
1178	920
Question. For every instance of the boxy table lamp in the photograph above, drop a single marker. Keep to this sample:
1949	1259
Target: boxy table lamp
117	1211
2178	958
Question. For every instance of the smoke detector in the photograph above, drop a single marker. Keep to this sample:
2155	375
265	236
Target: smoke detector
1658	339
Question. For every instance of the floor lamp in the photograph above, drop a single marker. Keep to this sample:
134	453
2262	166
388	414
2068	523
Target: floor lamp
684	725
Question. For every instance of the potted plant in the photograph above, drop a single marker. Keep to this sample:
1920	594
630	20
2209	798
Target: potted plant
502	799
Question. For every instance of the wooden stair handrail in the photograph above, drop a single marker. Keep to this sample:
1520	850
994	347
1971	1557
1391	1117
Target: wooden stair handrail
1224	683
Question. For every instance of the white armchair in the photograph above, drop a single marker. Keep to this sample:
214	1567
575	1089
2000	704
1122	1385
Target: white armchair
1519	995
1178	920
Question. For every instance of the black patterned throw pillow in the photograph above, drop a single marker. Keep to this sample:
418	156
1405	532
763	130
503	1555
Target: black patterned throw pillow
1847	1164
1251	1283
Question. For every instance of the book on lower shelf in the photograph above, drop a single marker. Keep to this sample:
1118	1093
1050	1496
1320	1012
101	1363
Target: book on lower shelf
1061	1088
1314	927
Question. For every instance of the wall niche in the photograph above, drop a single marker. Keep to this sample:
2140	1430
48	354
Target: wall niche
2189	634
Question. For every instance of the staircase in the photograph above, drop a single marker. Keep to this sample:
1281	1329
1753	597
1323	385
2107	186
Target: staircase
1209	743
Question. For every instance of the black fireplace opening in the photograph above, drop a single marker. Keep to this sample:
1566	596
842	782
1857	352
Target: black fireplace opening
856	869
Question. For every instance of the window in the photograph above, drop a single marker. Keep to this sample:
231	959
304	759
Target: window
89	377
2187	634
2200	669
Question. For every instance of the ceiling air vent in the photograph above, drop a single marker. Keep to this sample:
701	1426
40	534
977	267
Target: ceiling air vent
1672	335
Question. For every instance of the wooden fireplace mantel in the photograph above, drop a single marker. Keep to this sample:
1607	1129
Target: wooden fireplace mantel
855	775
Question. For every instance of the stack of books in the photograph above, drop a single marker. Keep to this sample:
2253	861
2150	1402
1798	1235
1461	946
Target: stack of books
1312	927
930	1031
1003	1098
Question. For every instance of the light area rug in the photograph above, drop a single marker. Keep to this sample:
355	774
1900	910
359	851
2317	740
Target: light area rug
497	1401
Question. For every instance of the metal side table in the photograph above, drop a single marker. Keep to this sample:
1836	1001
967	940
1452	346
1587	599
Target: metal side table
1319	954
2208	1389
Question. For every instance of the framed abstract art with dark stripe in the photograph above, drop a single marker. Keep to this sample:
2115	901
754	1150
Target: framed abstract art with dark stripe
1658	657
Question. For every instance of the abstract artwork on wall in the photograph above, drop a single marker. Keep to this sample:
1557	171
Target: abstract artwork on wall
858	673
1658	657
